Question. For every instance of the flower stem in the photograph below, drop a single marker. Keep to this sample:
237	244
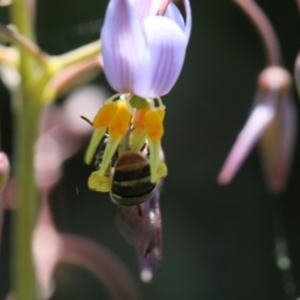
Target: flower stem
265	29
298	4
25	217
73	57
281	249
29	49
20	17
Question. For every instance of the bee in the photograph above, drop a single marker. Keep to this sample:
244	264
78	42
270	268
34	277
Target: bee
131	183
128	175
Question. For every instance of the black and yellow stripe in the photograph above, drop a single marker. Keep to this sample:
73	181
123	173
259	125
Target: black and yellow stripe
131	180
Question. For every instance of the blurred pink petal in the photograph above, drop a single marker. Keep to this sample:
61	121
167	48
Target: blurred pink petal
273	121
75	106
63	132
102	263
4	170
50	248
46	250
10	296
260	117
47	161
9	194
4	176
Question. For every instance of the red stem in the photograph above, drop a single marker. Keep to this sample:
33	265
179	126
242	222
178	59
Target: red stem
298	4
265	29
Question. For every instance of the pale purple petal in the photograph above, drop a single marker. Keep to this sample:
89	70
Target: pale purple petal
122	45
277	145
188	22
163	58
260	117
175	15
146	8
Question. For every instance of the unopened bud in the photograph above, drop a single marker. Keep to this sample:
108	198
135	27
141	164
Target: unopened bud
274	78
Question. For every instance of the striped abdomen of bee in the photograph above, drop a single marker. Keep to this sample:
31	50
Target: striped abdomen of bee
131	183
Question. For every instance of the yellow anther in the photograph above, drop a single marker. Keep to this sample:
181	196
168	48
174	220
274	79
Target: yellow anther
154	124
105	115
120	122
99	183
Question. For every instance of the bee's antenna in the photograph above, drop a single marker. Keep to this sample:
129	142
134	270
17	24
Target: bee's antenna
87	120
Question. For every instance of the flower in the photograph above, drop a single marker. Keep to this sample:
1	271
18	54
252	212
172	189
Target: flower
143	50
143	53
273	121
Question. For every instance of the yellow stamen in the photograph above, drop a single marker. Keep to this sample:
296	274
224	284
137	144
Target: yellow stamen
100	124
137	139
95	140
154	159
116	130
111	147
155	130
138	135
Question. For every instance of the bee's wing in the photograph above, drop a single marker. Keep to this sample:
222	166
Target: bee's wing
128	222
141	226
151	239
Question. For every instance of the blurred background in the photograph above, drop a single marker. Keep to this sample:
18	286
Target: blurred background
218	242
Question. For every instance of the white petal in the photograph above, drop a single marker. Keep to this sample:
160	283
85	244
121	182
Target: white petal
260	117
163	58
122	45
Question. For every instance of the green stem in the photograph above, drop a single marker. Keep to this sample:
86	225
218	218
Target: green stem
25	217
27	46
78	55
20	17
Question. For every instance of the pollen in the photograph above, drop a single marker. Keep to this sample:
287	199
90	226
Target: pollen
120	122
154	124
105	115
99	183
